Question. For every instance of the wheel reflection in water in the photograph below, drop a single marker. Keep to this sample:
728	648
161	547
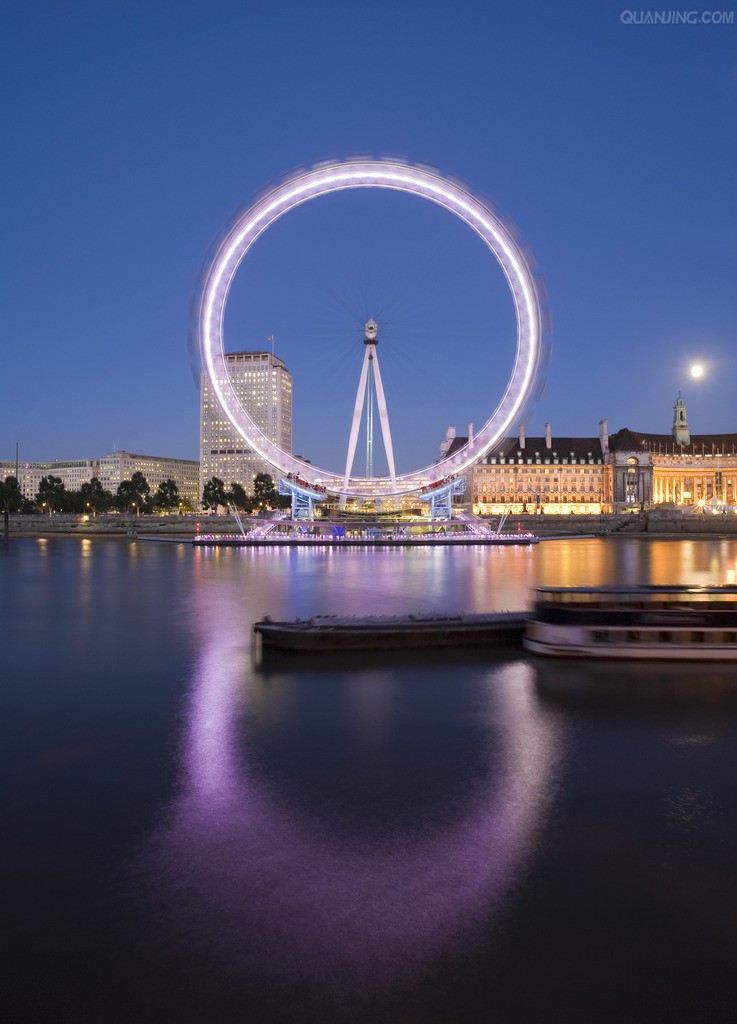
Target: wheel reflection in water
243	870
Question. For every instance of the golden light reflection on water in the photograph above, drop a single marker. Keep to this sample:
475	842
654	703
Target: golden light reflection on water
602	561
565	563
691	561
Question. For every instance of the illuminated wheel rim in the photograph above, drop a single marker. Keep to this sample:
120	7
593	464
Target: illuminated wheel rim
401	178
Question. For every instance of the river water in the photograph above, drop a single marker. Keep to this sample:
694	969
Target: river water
193	835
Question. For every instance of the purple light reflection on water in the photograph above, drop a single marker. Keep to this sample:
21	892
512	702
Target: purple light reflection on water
242	873
289	583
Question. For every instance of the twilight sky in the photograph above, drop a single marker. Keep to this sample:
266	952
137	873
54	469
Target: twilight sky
134	131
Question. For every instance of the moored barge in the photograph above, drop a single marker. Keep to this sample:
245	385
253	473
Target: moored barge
388	633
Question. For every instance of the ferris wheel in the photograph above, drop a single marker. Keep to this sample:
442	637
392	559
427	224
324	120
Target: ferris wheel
396	176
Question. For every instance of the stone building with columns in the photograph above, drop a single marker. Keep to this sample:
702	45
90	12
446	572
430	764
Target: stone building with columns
625	471
679	468
547	474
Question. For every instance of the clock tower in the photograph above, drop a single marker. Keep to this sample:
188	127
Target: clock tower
681	433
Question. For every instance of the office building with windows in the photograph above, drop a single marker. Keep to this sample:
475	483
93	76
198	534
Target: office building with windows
72	473
111	470
118	466
264	387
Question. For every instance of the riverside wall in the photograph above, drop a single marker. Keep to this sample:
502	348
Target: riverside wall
653	523
126	526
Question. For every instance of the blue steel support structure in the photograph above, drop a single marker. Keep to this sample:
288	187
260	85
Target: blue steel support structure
441	497
303	498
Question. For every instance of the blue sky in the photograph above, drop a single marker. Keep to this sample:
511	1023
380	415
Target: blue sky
133	132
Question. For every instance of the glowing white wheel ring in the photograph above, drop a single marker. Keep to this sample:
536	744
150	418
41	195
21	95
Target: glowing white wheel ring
402	178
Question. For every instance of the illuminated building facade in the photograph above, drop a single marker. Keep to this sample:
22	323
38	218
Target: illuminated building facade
264	387
707	474
625	471
110	470
119	466
73	474
683	468
542	475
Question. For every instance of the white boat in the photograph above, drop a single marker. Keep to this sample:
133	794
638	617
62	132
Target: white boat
674	623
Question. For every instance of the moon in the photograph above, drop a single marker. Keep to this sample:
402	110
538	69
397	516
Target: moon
697	370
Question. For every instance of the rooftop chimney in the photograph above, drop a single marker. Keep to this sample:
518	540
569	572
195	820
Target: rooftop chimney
470	431
604	436
548	438
522	435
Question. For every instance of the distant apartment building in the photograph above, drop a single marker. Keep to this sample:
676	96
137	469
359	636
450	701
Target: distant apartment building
110	470
73	473
264	387
119	466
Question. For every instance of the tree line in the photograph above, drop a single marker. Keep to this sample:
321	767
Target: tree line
52	496
265	495
135	495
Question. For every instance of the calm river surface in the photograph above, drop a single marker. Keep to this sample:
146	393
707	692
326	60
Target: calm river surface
190	836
